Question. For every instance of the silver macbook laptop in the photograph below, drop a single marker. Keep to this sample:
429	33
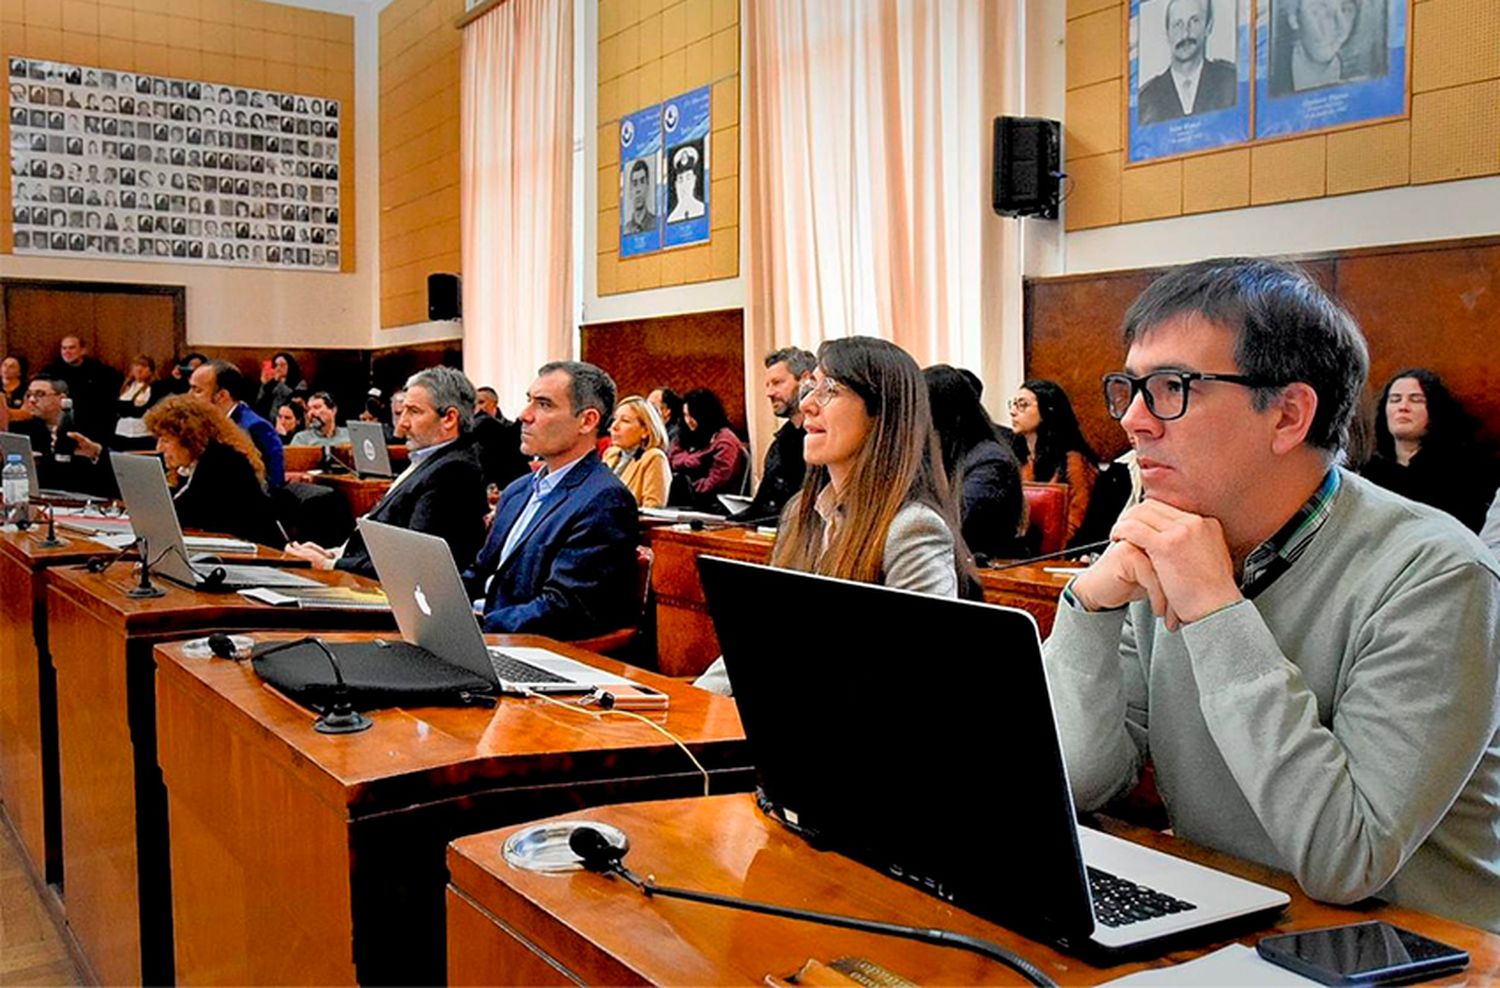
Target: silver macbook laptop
911	788
153	517
14	442
427	596
371	458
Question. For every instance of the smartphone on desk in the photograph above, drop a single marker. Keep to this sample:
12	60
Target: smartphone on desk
1370	953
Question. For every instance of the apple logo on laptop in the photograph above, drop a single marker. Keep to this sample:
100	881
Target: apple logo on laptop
421	599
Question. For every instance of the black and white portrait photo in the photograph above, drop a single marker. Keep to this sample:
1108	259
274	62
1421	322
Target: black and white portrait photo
1320	43
638	213
685	182
1188	58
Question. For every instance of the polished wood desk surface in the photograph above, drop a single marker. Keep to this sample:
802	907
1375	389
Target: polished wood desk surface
116	886
362	493
508	926
685	637
319	859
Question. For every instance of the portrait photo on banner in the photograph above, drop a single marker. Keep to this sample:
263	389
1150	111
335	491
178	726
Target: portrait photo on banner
1329	63
686	123
640	182
1189	76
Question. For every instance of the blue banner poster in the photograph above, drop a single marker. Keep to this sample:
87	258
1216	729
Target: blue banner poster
1189	76
640	182
1328	63
685	128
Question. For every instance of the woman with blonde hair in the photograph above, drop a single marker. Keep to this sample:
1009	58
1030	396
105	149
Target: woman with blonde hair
216	472
638	451
875	504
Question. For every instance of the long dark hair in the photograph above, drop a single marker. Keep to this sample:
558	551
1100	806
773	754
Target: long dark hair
1057	433
960	420
900	462
673	401
293	372
708	411
1448	425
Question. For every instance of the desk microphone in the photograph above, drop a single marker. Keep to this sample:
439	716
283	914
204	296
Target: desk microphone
340	717
1090	547
600	855
51	541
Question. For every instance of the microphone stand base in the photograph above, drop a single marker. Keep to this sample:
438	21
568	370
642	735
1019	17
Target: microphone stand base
342	722
51	542
142	593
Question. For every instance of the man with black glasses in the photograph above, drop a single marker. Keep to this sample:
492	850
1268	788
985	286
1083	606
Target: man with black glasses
1311	663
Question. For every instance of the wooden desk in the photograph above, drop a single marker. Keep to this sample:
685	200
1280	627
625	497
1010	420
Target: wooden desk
507	926
116	892
685	640
319	859
360	492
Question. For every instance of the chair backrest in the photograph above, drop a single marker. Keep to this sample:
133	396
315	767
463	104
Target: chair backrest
1047	505
622	642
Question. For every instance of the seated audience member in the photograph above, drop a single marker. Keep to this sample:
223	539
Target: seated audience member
220	385
216	474
322	423
280	379
93	386
66	459
1424	448
983	474
1051	447
13	385
376	411
177	381
874	506
393	432
291	418
560	557
787	371
637	452
140	392
1311	663
668	405
708	458
440	492
499	441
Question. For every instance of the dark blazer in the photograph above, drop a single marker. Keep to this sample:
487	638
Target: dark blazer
991	501
1218	89
263	435
784	470
62	469
225	495
574	574
444	496
498	443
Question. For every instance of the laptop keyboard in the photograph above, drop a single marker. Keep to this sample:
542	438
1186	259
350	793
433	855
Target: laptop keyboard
1118	902
510	669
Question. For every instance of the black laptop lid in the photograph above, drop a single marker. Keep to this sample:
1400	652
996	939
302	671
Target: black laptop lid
912	732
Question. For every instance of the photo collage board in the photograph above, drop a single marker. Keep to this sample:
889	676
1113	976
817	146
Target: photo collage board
131	166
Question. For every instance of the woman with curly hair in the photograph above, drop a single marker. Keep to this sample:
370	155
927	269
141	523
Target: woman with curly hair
215	470
1050	445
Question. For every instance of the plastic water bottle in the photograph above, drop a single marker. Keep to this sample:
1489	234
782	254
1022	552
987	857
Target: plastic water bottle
16	489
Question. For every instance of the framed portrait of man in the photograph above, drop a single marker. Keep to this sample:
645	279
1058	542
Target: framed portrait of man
640	182
686	121
1189	84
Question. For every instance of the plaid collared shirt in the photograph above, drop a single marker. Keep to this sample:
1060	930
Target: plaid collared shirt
1272	557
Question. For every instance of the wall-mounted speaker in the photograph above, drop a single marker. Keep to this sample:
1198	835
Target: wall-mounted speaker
1028	166
445	297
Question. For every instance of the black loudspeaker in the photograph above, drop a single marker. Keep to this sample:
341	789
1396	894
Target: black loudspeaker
445	297
1028	166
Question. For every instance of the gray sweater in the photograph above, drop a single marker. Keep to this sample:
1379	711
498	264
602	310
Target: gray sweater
1343	726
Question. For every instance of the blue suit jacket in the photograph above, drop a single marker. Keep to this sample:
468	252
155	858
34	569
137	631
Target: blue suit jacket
574	574
264	436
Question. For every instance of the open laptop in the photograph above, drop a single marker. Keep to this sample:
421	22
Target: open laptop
433	612
367	443
153	517
916	734
14	442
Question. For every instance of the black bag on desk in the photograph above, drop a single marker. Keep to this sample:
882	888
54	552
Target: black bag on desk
378	675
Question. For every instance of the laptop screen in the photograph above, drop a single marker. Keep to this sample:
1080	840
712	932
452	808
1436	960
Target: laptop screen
914	733
367	443
153	516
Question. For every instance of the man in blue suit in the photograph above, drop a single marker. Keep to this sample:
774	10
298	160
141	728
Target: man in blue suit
560	557
220	384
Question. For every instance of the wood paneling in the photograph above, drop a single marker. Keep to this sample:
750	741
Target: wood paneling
697	350
116	322
1431	305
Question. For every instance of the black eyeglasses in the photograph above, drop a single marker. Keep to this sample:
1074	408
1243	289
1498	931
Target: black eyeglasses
1166	391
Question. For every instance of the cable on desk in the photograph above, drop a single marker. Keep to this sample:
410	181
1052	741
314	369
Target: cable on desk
601	714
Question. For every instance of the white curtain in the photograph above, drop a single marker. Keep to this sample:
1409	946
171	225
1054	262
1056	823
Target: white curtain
517	205
868	146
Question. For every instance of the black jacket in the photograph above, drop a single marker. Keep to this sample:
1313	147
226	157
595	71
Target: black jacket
94	388
1459	481
498	445
784	470
62	469
443	496
224	495
1218	89
990	501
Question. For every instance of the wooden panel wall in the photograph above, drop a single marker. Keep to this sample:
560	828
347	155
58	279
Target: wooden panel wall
1453	131
228	42
419	153
650	50
697	350
115	322
1431	305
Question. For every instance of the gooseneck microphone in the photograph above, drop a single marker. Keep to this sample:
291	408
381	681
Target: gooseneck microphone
1060	554
340	717
145	588
51	541
600	855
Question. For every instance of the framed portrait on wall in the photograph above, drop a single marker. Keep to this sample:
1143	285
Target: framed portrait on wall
1328	63
685	129
640	182
1189	78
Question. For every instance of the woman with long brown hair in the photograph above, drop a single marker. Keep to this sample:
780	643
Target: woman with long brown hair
216	472
875	505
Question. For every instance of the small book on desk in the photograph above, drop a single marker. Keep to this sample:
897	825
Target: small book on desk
336	598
